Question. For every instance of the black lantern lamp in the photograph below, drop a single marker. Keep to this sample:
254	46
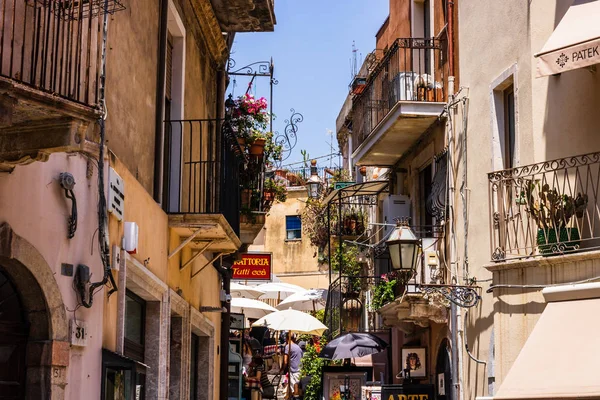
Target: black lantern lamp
403	246
314	184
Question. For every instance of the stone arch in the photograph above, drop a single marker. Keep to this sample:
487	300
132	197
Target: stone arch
48	349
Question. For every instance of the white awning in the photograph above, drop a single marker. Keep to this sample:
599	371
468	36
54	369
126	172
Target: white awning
561	358
575	43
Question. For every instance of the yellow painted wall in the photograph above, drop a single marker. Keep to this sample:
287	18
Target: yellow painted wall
294	261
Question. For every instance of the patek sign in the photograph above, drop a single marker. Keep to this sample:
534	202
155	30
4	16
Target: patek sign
253	267
407	392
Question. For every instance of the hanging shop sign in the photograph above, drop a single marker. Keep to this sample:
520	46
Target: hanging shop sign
253	267
407	392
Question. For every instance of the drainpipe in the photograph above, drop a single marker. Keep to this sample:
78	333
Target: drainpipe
159	141
455	329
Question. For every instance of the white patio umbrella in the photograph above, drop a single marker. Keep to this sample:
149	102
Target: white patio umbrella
250	308
278	290
239	290
292	320
307	300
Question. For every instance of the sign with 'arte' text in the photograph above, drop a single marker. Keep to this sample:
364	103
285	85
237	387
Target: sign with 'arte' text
253	267
407	392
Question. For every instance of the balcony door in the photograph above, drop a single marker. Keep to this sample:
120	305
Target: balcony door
174	105
421	28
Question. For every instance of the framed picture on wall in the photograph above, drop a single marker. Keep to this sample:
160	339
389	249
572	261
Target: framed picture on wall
415	360
337	379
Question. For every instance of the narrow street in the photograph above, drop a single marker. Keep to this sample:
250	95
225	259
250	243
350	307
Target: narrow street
316	199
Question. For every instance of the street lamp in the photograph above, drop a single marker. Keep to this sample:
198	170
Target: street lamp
314	184
404	247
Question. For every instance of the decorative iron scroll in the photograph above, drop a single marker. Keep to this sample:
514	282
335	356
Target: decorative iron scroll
288	139
546	166
436	202
260	68
462	296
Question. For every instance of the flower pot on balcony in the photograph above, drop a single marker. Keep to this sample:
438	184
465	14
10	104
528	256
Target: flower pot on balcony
241	141
257	148
549	244
269	195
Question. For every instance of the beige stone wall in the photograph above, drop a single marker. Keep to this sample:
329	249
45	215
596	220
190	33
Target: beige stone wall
555	118
156	241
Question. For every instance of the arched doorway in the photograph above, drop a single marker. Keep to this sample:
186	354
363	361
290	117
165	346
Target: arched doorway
14	331
443	372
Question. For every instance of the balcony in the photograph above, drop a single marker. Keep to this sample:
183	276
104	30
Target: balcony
202	185
403	96
49	72
245	15
545	209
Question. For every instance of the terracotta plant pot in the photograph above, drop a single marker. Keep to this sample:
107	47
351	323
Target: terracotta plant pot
363	170
269	195
257	147
241	141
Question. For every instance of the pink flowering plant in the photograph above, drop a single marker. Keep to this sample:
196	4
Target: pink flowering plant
249	116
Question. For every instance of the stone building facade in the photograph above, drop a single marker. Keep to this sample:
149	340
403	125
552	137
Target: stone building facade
115	288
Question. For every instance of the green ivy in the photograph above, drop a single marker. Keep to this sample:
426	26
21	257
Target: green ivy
383	293
312	366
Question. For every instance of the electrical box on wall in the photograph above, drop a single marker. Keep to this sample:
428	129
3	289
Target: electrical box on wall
130	237
116	195
395	206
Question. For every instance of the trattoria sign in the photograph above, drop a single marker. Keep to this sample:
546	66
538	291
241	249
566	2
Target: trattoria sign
253	267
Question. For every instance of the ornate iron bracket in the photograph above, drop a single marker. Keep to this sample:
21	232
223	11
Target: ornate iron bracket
288	139
462	296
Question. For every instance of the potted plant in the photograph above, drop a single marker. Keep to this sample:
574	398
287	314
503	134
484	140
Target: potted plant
274	190
385	291
553	213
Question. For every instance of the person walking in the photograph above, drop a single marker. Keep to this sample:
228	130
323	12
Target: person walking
291	360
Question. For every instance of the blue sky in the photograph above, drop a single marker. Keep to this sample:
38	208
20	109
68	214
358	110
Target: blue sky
311	48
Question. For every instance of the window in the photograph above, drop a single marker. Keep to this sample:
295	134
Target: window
135	321
425	185
293	227
509	127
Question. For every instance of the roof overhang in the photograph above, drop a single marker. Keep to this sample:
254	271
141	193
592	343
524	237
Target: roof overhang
397	132
575	42
369	188
560	358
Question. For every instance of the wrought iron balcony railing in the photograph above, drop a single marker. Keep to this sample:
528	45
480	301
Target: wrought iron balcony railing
546	208
202	170
54	46
411	70
348	307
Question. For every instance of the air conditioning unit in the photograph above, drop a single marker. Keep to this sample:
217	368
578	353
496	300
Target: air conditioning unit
395	206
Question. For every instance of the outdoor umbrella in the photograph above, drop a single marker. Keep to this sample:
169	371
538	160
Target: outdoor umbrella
352	345
292	320
307	300
278	290
239	290
250	308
